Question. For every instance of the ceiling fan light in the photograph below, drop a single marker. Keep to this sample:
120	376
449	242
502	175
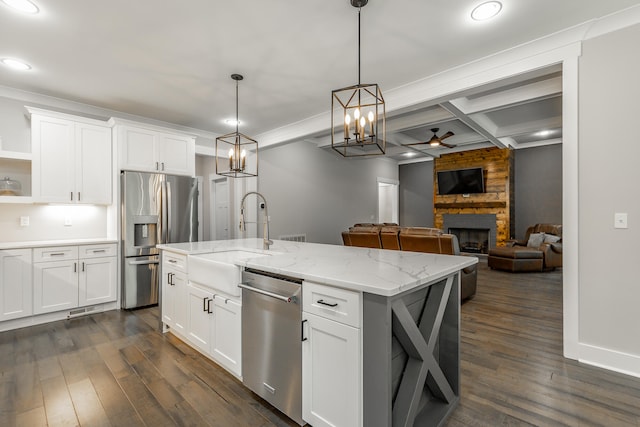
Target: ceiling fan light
486	10
434	143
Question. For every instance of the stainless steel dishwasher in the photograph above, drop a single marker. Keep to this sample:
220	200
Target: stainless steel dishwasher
271	339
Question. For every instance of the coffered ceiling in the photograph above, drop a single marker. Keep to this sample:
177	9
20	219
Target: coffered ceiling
172	61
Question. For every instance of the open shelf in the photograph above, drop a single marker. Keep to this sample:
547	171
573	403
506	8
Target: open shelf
15	155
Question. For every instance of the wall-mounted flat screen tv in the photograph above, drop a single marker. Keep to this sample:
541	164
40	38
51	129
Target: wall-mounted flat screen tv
461	181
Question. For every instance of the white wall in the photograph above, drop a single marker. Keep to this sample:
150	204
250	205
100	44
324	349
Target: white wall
609	175
317	192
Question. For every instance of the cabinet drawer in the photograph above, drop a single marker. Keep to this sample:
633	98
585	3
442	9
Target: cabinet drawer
98	251
332	303
174	261
55	253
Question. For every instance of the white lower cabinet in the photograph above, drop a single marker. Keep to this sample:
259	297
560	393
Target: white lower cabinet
15	284
67	277
331	357
214	326
227	334
174	291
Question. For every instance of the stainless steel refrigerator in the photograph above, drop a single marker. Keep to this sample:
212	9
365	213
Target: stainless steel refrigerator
156	208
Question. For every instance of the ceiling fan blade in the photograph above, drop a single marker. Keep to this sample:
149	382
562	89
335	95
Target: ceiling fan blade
415	143
442	144
446	135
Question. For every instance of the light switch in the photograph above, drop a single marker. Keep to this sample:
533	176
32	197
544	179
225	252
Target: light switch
24	221
620	220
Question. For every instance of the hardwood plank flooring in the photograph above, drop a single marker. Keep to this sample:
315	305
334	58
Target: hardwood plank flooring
117	369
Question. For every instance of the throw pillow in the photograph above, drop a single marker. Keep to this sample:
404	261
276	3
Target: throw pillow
535	240
550	238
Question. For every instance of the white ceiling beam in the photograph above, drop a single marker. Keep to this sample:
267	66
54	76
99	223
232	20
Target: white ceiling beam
529	127
418	119
512	97
484	129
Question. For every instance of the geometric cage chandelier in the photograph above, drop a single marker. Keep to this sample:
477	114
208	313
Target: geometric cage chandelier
358	116
236	153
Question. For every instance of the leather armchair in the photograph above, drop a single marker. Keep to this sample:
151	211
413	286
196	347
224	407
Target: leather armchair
551	252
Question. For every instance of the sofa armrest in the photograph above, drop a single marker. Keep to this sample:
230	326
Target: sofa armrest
470	269
552	253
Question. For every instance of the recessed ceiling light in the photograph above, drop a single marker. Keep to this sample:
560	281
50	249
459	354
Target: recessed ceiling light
543	133
15	64
410	154
486	10
24	6
232	122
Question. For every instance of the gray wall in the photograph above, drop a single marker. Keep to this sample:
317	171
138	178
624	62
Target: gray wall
538	187
416	194
318	192
609	154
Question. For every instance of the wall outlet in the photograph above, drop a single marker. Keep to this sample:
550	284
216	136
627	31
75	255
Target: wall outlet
620	220
24	221
67	221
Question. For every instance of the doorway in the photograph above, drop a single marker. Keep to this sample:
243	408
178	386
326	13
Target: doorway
388	200
219	209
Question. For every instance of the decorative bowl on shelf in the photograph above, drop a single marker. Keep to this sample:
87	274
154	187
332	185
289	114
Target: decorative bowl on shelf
10	187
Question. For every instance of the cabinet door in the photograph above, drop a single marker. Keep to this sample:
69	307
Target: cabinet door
15	284
331	390
176	154
200	317
138	149
55	286
53	159
227	338
174	300
168	296
97	282
93	164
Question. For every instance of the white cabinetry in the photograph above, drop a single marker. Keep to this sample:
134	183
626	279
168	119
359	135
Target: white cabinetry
67	277
71	159
331	356
174	288
214	326
15	284
226	346
155	150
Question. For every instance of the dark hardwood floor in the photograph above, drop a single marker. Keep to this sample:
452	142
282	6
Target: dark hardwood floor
116	369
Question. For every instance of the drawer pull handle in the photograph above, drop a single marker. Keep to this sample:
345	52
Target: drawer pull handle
209	305
172	261
97	251
57	254
302	337
335	304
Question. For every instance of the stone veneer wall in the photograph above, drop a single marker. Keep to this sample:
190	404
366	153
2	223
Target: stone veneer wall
497	166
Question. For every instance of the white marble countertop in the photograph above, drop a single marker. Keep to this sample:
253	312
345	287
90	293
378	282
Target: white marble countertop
376	271
45	243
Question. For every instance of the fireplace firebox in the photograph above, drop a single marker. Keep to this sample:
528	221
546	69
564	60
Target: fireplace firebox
472	240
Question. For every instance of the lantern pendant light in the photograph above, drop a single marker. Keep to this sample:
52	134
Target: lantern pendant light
358	117
236	153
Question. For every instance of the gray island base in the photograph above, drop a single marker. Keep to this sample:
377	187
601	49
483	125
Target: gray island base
411	355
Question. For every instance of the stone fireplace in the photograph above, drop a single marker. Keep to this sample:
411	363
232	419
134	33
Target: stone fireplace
472	214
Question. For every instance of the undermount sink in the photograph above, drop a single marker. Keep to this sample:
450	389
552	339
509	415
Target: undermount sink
218	270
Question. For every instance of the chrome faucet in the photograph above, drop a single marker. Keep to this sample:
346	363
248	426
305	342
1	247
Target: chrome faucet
265	225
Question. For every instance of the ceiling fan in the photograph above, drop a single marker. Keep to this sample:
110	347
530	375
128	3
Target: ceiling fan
435	140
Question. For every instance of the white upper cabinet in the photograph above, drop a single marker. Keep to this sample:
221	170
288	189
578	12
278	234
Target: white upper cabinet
71	159
155	150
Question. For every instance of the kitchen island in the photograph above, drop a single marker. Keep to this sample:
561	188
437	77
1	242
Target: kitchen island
407	323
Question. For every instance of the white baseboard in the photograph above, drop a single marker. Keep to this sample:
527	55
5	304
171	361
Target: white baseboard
624	363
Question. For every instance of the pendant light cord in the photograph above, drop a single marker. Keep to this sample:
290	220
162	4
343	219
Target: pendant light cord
359	9
237	116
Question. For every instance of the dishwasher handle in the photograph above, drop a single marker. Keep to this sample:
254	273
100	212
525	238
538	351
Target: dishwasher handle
284	298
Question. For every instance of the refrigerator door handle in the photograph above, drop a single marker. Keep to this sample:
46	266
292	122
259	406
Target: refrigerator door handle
144	262
168	205
164	214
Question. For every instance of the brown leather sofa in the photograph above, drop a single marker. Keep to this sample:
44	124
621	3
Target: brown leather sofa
529	255
415	239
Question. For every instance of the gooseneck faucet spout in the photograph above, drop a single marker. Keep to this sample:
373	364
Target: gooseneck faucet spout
265	225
